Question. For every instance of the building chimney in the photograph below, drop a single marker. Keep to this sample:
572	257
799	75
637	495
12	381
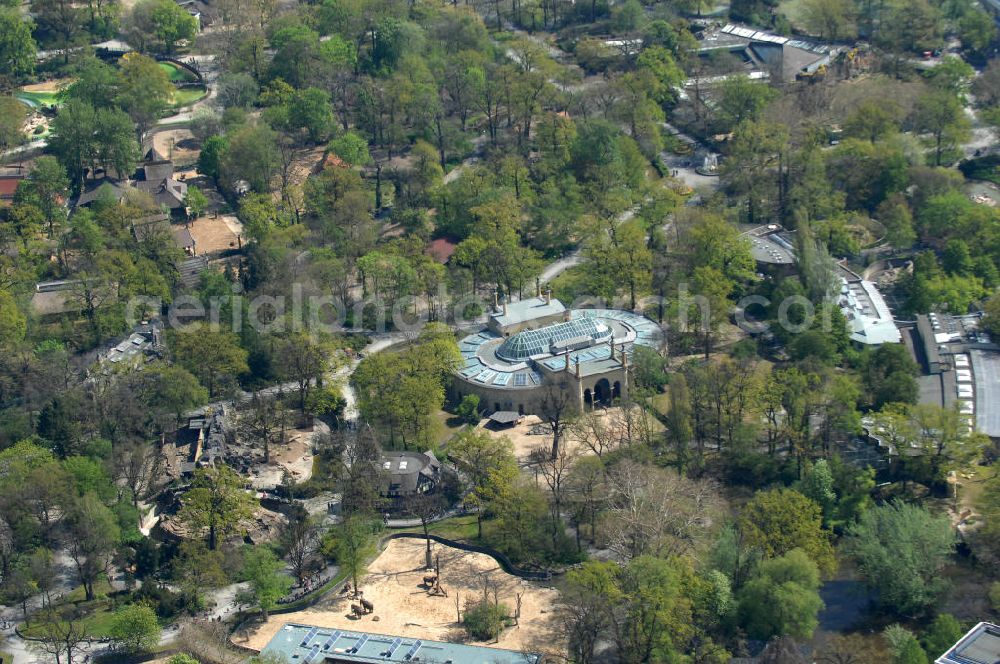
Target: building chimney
624	358
577	367
567	361
505	308
496	299
548	295
611	345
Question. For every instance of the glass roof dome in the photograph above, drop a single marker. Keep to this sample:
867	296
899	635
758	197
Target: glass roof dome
530	343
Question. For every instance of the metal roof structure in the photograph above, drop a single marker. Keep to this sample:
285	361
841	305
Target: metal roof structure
530	309
986	369
980	646
868	316
543	341
483	362
307	644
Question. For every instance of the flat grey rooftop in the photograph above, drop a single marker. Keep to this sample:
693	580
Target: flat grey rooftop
530	309
986	373
306	644
980	646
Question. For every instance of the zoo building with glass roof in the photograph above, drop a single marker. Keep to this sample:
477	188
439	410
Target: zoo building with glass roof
536	354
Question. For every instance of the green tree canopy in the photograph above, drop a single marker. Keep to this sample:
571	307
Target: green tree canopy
900	550
211	355
17	48
265	573
217	503
134	628
782	599
779	520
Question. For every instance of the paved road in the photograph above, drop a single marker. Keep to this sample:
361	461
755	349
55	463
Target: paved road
685	165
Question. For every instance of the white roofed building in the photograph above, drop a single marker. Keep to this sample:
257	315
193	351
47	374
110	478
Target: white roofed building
868	316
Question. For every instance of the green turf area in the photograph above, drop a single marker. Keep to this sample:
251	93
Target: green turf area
95	614
36	99
443	426
459	528
568	285
177	74
187	96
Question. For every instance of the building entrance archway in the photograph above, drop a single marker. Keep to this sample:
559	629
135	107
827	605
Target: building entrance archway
602	392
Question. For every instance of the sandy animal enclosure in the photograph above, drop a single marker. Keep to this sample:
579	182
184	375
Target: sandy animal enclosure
403	607
525	441
294	455
214	234
53	85
179	145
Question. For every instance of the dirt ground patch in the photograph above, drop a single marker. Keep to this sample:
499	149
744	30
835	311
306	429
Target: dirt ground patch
214	234
55	85
525	441
403	607
295	456
178	145
304	163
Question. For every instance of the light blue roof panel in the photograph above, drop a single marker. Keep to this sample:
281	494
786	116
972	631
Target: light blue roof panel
368	648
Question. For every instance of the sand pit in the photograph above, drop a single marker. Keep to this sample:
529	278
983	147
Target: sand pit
54	85
216	234
178	145
296	455
404	608
525	441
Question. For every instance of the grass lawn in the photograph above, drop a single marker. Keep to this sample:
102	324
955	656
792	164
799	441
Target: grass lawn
461	528
36	99
96	614
187	96
6	657
568	285
444	425
661	403
96	619
177	74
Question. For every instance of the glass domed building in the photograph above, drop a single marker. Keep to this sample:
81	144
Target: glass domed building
537	351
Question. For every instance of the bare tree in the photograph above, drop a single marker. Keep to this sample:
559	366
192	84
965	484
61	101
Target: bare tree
585	493
208	642
557	407
262	422
138	467
426	506
301	540
609	430
60	635
360	472
658	512
555	471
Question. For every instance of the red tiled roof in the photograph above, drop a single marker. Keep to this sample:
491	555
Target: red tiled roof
8	185
441	249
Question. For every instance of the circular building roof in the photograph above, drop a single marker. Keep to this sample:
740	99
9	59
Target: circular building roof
516	362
